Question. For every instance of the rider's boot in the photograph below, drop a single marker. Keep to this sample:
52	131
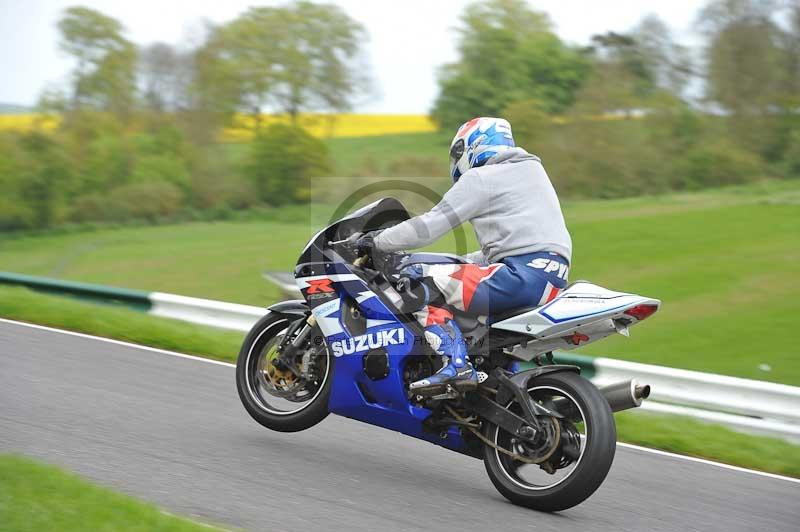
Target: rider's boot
458	373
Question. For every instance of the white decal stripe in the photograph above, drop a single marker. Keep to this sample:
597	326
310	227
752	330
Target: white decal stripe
302	282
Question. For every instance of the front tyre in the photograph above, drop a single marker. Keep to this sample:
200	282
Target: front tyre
278	398
583	446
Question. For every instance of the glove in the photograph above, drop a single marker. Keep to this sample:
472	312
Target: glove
365	245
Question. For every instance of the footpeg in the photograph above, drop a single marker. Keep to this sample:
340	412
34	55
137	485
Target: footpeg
449	393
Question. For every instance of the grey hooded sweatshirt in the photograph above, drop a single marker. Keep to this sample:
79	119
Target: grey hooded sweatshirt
512	206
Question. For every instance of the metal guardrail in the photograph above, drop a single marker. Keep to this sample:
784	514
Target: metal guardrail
191	309
743	404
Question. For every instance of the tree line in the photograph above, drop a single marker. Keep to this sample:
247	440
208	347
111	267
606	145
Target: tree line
631	113
637	112
138	128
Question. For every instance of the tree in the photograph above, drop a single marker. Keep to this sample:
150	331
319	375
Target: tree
668	61
791	46
743	55
295	57
165	75
103	77
622	69
508	53
282	161
747	71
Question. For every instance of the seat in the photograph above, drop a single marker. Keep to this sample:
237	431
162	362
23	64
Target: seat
511	313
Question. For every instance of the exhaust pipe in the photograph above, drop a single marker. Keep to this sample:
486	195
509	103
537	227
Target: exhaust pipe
625	395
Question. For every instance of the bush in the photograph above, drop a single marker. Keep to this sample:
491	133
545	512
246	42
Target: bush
161	168
791	158
148	201
44	178
233	193
108	164
139	201
15	216
530	119
716	164
281	162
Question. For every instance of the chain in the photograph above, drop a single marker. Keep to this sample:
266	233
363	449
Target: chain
511	454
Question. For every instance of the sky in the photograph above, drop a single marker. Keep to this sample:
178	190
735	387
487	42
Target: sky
408	40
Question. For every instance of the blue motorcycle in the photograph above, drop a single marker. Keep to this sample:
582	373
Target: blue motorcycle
546	435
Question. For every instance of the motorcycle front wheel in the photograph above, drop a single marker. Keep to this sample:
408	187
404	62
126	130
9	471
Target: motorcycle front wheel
576	457
274	395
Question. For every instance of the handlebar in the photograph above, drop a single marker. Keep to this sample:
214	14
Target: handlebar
349	243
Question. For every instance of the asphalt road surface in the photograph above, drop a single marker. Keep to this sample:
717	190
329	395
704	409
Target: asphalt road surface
171	430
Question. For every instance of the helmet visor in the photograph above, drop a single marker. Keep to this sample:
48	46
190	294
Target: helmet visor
456	151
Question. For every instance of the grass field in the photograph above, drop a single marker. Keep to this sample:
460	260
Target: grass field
375	155
724	262
36	497
355	156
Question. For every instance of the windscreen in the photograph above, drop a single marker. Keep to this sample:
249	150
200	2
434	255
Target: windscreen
380	214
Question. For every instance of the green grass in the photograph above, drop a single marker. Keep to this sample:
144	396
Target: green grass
687	436
365	155
352	156
724	262
119	323
36	497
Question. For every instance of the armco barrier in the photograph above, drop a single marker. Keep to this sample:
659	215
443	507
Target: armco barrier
191	309
205	311
135	299
748	405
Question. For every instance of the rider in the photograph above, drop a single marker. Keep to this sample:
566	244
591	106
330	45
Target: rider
525	247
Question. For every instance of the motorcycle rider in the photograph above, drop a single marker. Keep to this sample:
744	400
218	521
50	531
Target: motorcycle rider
525	252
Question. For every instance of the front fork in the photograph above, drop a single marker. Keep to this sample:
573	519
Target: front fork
292	345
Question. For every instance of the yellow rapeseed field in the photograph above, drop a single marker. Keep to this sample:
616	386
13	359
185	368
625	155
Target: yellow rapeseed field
335	125
27	122
320	125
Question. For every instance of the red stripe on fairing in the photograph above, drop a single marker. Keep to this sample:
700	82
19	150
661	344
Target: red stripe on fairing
552	295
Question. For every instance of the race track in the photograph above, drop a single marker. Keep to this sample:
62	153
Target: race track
171	430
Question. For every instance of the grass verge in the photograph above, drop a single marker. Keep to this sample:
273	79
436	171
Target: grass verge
119	323
687	436
670	433
35	496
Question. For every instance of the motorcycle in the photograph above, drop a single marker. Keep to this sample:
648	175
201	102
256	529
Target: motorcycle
546	434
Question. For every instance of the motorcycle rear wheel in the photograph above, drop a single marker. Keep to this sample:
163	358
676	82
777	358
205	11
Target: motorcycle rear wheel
597	448
254	380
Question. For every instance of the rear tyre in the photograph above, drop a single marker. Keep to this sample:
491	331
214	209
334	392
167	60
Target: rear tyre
592	457
277	399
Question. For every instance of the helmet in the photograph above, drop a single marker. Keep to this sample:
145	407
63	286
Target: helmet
476	142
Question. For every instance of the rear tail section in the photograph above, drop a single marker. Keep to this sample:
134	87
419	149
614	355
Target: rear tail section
581	314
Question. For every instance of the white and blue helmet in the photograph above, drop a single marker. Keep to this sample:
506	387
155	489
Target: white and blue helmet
476	142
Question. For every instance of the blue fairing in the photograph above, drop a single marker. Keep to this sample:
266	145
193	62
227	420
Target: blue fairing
380	402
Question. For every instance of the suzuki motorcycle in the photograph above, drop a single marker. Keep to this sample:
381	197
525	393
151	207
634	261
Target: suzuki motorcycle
546	434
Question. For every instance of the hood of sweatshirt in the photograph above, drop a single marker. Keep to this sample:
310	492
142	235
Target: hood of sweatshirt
512	155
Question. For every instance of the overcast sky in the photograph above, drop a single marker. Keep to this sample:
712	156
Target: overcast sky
408	39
